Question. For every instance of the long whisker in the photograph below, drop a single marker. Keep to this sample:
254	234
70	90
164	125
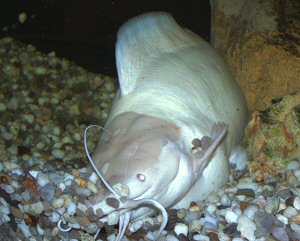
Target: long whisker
123	224
131	204
92	162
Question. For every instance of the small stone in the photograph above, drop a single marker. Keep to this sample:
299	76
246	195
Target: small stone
55	217
282	218
83	220
245	192
57	153
92	187
200	237
293	165
93	177
295	219
250	211
171	238
280	234
264	222
225	200
231	230
42	179
230	216
272	205
113	218
47	192
9	165
181	213
290	212
247	227
71	208
295	227
284	194
296	203
181	228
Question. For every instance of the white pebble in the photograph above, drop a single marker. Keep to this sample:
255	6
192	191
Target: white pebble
250	211
34	173
230	216
295	227
200	237
39	230
293	165
93	177
290	212
71	208
4	210
150	235
58	202
54	218
181	228
238	239
171	238
24	228
42	179
18	171
247	227
92	187
113	218
225	200
136	225
211	208
282	218
7	188
61	186
296	203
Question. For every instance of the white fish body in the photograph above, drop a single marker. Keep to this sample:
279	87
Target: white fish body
173	89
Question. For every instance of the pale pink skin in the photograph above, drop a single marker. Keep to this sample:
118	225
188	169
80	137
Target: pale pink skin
173	88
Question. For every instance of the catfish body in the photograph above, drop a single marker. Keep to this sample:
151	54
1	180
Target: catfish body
174	88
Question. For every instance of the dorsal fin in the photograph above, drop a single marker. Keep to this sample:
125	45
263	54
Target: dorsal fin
143	38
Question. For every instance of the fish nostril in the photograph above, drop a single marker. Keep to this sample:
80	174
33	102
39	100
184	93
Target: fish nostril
141	177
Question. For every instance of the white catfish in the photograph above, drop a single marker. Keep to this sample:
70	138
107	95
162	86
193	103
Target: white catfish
166	137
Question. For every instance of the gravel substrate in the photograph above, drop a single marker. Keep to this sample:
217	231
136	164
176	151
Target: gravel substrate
47	189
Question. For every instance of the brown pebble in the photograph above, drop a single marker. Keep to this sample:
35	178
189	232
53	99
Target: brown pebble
4	179
246	192
16	212
244	205
83	220
213	236
182	237
112	202
295	219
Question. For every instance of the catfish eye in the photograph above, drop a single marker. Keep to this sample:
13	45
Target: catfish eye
141	177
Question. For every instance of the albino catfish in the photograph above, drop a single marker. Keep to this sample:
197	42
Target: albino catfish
175	122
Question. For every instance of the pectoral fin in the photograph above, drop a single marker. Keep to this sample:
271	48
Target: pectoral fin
207	146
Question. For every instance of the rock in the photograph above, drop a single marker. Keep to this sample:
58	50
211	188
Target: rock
247	227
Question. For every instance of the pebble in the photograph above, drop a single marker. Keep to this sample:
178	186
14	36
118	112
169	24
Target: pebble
290	212
42	179
181	228
231	216
47	192
264	223
296	203
250	211
280	234
247	227
200	237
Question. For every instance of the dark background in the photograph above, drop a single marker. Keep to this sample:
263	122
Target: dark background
84	31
